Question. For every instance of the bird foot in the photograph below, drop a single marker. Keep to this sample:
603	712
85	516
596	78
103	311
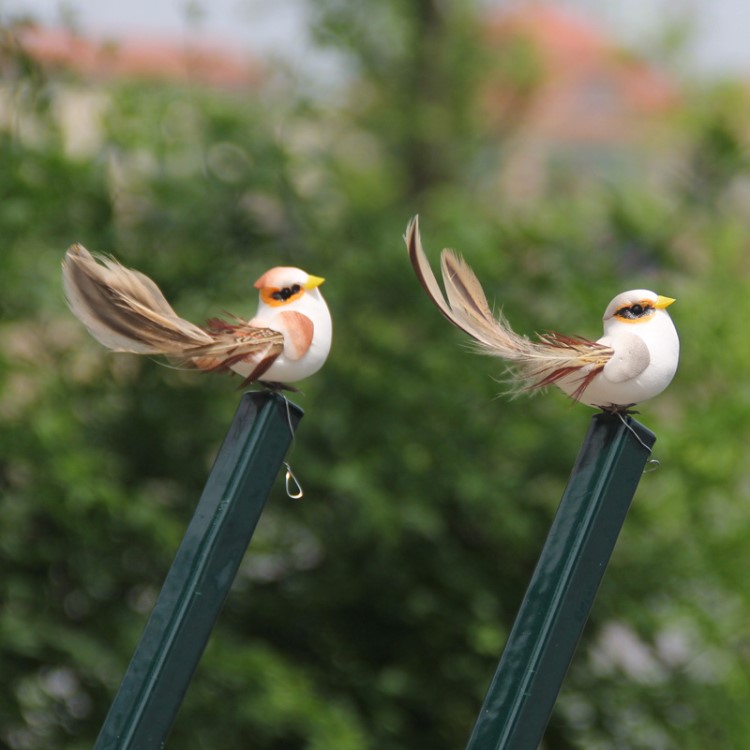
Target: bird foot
619	409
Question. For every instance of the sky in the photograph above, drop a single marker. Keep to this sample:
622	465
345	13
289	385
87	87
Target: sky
264	25
718	27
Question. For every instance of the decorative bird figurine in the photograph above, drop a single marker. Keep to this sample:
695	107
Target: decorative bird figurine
288	339
633	361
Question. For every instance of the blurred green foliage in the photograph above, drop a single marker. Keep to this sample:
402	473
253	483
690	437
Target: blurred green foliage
372	614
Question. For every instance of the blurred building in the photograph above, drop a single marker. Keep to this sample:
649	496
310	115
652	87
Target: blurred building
73	62
141	58
559	92
563	93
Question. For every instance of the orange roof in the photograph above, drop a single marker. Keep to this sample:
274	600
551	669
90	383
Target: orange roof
560	36
589	88
142	58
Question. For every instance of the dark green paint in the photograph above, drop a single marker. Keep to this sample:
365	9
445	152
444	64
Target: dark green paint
202	572
561	593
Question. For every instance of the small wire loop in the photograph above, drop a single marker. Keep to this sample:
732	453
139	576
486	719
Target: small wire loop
652	465
291	484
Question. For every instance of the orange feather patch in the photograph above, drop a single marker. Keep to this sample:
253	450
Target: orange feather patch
298	333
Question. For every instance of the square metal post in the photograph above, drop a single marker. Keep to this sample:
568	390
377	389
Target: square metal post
561	593
201	575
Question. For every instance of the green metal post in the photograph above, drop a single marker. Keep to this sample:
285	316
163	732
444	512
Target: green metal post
561	593
202	572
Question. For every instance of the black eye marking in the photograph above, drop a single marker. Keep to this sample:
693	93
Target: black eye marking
631	312
282	295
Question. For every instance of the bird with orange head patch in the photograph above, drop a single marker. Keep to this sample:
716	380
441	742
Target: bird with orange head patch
288	339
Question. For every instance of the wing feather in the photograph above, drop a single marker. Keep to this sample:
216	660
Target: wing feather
631	358
299	331
534	364
127	312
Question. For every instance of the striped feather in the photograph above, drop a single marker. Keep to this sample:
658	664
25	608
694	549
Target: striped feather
534	364
126	312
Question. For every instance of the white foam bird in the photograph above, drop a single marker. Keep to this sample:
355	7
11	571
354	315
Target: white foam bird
288	339
633	361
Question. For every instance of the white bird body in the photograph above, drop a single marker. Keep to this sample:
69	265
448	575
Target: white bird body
302	356
645	355
633	361
288	339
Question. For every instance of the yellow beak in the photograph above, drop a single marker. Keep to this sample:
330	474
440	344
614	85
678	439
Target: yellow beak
662	302
312	282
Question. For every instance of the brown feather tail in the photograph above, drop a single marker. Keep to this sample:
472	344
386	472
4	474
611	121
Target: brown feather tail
534	364
123	309
126	312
